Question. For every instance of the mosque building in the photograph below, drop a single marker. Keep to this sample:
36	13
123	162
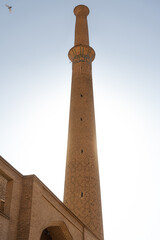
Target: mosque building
28	209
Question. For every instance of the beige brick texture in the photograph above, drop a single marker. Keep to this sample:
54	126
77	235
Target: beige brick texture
82	186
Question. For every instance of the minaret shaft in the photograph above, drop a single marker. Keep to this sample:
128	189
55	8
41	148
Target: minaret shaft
81	29
82	187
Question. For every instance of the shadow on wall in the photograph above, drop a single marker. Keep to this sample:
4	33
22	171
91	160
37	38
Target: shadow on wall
56	232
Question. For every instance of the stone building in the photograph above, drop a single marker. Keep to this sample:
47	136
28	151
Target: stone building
28	209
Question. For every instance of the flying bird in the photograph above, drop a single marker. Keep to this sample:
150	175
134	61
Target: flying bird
9	7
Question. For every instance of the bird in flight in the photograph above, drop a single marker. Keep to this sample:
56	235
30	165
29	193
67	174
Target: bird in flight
9	7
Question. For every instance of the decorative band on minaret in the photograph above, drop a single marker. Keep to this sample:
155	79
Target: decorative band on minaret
82	186
81	53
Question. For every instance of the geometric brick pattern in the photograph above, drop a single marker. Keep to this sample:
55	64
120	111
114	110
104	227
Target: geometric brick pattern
82	186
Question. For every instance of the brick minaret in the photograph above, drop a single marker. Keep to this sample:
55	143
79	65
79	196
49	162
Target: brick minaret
82	187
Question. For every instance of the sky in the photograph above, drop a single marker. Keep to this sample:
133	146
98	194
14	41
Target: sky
35	82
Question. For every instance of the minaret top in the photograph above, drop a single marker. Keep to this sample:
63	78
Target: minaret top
81	29
81	10
81	52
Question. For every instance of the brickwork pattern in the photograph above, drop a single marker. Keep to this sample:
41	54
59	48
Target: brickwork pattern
25	209
82	185
82	189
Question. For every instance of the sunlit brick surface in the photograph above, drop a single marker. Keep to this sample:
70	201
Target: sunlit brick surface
82	187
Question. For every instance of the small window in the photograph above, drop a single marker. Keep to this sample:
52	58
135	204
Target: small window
6	186
3	184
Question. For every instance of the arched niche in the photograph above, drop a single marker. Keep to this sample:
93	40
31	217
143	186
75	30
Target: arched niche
56	231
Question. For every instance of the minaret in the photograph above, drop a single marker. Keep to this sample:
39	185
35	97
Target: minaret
82	186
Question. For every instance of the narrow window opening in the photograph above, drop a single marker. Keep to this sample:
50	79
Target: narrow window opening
81	150
2	203
3	184
81	194
81	119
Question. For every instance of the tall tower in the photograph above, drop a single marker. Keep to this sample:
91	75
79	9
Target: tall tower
82	186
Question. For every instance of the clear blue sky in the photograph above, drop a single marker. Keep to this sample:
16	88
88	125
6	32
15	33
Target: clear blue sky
35	79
